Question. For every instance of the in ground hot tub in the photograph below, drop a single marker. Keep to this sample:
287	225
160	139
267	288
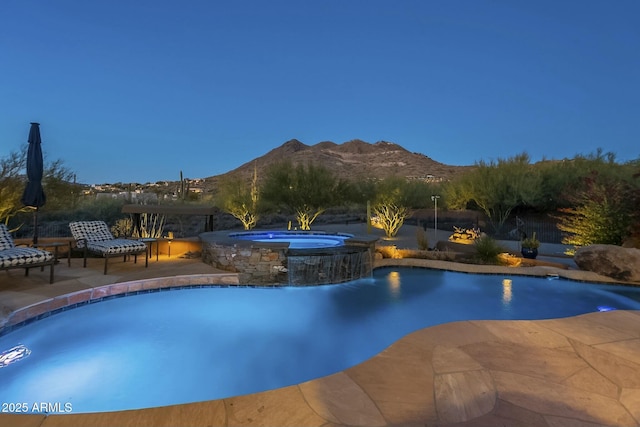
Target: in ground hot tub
297	258
296	240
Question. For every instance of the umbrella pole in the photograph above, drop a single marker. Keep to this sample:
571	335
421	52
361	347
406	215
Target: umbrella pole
35	227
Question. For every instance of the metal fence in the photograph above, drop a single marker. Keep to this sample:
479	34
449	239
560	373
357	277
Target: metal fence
45	229
515	228
519	227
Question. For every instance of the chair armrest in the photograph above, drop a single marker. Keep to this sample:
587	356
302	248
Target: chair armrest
82	240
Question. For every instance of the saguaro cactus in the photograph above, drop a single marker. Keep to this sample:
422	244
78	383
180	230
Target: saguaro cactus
183	188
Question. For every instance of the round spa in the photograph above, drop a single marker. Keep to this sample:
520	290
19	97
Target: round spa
295	240
290	258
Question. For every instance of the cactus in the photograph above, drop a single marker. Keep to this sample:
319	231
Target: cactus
183	188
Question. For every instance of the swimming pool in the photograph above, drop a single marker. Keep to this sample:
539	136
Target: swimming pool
296	240
200	344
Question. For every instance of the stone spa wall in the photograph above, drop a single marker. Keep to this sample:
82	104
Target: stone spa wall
269	264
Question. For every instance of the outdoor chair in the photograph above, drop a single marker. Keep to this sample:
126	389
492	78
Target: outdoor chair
12	256
95	237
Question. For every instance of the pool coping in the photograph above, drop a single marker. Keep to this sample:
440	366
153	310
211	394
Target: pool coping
50	306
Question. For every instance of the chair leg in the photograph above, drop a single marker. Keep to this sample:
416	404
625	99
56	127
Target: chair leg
85	257
26	271
106	259
51	272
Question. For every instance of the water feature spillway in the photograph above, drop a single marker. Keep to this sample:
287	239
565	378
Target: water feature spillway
337	265
295	258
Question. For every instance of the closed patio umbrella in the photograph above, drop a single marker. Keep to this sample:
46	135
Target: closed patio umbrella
33	195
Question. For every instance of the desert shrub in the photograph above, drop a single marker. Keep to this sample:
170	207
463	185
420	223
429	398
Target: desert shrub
108	210
122	228
423	240
487	250
434	255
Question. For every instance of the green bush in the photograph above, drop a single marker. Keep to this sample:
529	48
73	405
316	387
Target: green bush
530	242
108	210
487	250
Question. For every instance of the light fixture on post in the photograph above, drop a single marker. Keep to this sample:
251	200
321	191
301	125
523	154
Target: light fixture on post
169	238
435	220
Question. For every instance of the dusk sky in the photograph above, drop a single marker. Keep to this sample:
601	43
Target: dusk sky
138	90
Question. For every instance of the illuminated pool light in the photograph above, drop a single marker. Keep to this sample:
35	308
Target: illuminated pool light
14	354
605	308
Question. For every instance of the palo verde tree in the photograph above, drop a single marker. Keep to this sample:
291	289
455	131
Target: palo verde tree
240	199
306	190
11	185
497	187
61	192
58	183
390	206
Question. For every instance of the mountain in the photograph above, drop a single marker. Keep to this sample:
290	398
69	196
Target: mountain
354	159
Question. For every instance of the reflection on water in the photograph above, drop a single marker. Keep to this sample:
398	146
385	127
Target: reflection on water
506	291
394	285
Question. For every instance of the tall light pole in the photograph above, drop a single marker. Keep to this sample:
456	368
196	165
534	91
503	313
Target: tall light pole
435	220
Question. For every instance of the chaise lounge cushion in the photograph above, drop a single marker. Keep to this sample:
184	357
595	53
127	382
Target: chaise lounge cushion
95	235
6	241
12	256
23	257
116	246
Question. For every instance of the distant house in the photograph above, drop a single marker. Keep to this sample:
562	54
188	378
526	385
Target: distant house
137	196
425	178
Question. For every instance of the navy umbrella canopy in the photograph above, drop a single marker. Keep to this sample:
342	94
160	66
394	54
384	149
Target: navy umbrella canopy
33	195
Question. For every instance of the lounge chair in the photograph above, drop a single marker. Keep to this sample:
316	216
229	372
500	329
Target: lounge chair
95	237
12	256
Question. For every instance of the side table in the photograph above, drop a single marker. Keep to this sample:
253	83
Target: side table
149	241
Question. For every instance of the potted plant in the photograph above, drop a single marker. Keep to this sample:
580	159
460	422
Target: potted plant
529	246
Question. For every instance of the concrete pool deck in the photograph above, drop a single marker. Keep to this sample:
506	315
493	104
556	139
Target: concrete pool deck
578	371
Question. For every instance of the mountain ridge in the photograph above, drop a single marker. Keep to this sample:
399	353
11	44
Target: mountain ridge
354	159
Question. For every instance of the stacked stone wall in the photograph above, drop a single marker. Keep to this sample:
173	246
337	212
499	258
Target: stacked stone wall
254	265
275	264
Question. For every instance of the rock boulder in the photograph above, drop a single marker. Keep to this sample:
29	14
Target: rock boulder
609	260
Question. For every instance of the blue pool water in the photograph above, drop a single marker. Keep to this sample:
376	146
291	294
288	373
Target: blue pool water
199	344
296	240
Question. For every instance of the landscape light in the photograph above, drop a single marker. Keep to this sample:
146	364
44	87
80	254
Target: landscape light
435	221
